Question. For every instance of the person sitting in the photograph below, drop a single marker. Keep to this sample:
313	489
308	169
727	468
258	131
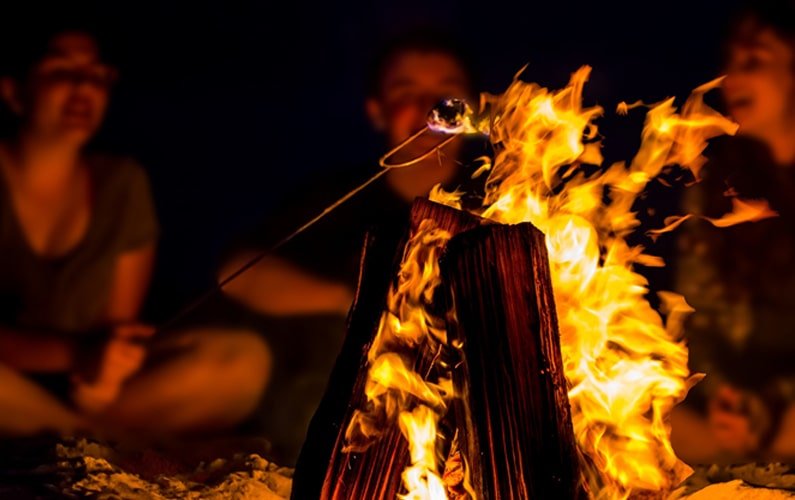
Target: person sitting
307	286
78	234
741	280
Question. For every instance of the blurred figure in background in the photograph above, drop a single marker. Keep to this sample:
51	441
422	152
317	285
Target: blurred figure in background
78	232
307	286
741	280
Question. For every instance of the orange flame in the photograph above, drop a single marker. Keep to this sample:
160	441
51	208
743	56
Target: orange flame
421	478
625	367
742	211
394	389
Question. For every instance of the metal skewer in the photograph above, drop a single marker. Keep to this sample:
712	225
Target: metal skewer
385	167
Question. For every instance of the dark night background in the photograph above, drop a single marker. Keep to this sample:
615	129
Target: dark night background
229	108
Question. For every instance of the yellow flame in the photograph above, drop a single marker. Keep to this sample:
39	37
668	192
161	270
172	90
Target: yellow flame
745	211
625	367
742	211
394	389
421	478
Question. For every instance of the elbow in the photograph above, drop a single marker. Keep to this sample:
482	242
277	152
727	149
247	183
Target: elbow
238	275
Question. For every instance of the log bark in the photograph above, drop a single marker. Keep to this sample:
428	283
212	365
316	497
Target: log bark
513	419
323	470
514	416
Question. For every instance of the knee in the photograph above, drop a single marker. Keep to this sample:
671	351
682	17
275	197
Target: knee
241	360
251	360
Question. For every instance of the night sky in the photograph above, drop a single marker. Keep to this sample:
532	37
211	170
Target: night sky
229	108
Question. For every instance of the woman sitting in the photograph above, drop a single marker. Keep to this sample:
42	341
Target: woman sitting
77	243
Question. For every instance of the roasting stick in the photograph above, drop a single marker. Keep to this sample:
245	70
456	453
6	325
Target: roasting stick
383	162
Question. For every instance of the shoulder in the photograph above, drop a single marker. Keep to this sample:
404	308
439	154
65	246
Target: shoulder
120	185
124	200
319	189
114	167
314	194
338	181
117	175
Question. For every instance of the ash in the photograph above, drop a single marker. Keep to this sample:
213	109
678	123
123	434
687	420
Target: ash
92	469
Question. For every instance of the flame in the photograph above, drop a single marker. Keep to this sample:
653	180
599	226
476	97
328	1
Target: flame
625	366
421	478
745	211
394	390
742	211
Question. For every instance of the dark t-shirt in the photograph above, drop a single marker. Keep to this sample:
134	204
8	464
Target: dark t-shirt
331	248
741	279
305	347
68	294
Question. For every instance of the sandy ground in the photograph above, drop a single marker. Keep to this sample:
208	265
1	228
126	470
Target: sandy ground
95	474
751	481
78	468
51	467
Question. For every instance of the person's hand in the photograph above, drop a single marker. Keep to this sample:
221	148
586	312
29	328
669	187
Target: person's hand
733	419
122	356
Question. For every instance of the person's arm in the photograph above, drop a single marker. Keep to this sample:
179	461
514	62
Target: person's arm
134	248
35	352
279	288
122	355
39	352
131	275
99	382
32	352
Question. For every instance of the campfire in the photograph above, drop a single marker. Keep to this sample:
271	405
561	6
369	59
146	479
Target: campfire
516	354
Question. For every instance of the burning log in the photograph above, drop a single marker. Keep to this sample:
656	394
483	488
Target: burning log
512	424
323	469
519	441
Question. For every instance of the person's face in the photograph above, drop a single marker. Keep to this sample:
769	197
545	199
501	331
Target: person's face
413	83
66	93
760	85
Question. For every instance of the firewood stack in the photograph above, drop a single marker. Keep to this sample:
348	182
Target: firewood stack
512	421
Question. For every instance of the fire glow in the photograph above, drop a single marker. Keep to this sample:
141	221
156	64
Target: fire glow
625	366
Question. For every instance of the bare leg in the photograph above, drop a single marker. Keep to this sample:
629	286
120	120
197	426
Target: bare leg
692	439
215	382
26	408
